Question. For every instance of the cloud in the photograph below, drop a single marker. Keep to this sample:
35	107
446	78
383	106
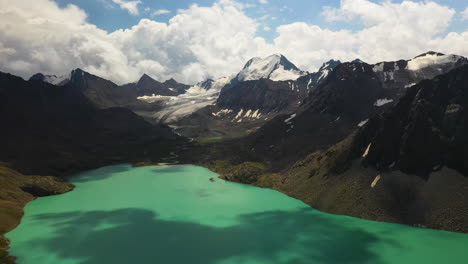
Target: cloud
214	41
465	14
160	12
263	1
197	43
130	6
391	31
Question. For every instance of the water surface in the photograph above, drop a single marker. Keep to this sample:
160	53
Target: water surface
176	215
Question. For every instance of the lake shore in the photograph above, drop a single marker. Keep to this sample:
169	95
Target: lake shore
16	190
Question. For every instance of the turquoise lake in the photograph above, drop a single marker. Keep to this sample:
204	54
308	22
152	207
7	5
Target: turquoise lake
175	214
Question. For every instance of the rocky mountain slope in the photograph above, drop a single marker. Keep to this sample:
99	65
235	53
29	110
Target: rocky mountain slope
343	102
104	93
57	130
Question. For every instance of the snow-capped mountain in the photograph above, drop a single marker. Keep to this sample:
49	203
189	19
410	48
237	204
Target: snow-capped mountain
409	72
274	67
52	79
246	105
344	101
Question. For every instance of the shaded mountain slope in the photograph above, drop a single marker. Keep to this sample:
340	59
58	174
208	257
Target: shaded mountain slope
425	131
148	86
57	130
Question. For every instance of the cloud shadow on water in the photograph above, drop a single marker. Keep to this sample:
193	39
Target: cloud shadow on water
138	236
100	174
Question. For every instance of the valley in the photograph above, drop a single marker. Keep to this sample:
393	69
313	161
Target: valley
382	142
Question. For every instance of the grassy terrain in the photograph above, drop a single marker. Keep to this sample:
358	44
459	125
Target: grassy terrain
16	190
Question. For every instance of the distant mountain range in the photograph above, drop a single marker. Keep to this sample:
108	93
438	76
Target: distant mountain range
263	89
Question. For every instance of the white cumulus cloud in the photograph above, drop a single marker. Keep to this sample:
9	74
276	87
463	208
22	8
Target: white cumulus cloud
465	14
197	43
160	12
392	31
130	6
213	41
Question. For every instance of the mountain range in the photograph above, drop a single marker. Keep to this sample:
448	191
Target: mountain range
382	141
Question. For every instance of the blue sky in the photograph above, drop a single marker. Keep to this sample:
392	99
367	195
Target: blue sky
109	16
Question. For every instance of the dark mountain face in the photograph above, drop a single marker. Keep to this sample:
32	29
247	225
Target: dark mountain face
104	93
425	131
264	95
148	86
57	130
330	113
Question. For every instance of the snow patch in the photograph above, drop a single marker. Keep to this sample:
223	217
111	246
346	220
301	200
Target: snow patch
256	114
222	112
382	101
57	80
154	98
239	114
281	74
288	120
367	150
324	74
378	67
376	180
427	60
362	123
389	76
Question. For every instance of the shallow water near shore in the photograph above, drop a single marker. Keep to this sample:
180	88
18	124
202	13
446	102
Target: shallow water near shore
175	214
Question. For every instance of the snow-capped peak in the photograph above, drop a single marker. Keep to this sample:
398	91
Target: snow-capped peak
357	61
52	79
431	58
274	67
327	67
